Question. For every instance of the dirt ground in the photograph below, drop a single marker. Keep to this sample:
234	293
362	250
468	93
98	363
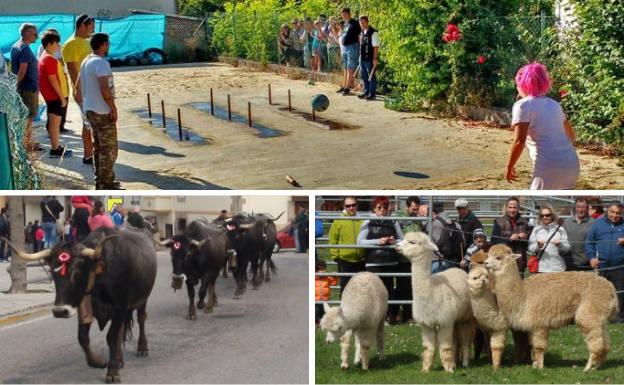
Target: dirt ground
375	149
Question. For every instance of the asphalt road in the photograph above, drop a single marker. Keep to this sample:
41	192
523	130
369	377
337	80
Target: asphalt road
262	338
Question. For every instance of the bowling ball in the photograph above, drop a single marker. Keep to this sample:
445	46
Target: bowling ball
320	103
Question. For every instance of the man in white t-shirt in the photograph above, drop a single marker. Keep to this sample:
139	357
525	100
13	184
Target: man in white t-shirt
369	59
96	91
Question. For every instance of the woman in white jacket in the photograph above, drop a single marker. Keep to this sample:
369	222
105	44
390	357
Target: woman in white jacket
547	224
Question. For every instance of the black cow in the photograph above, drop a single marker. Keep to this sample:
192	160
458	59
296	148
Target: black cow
253	239
118	269
270	238
198	255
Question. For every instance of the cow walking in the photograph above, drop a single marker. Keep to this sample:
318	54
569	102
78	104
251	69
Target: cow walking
118	269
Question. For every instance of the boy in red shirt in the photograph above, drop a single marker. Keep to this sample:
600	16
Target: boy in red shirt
54	89
322	287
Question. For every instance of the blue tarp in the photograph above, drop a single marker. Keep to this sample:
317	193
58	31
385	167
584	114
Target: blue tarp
128	35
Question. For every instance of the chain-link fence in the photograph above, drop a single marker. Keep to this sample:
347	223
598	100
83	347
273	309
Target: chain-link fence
22	175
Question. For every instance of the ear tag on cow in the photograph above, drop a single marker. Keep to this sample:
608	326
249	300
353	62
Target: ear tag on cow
63	258
177	245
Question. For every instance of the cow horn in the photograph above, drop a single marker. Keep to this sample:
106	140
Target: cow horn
247	226
26	256
97	252
278	217
87	252
198	244
166	243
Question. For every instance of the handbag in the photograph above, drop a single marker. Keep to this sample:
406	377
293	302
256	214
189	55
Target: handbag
533	263
59	228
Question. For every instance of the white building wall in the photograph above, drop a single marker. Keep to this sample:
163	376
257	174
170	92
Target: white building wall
108	9
273	205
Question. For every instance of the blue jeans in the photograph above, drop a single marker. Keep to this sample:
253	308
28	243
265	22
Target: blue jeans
51	236
439	266
350	56
370	87
297	243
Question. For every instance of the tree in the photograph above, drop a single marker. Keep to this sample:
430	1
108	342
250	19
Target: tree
17	270
199	8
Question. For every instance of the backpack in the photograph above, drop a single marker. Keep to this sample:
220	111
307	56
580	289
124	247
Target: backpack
451	242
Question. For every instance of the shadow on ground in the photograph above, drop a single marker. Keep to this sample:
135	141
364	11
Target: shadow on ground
129	174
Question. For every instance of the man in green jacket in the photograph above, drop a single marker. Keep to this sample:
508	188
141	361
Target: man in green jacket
345	232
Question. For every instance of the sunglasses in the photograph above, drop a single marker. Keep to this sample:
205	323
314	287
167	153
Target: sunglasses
351	206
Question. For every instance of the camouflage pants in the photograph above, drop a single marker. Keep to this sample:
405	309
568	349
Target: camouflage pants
105	149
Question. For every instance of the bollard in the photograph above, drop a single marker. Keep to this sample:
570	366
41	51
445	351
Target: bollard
249	113
229	109
313	115
289	104
270	99
180	125
211	103
149	106
164	121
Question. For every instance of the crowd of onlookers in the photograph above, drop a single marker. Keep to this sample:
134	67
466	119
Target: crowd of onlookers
88	214
591	239
328	44
77	66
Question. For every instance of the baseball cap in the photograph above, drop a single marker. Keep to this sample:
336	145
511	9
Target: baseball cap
461	202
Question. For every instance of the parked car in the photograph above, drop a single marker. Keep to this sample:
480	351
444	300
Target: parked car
284	240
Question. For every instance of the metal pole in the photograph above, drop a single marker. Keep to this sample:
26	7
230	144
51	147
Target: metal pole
149	106
249	113
289	103
313	115
270	99
164	121
229	109
180	125
211	103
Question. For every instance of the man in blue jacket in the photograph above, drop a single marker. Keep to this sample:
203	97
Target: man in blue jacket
604	248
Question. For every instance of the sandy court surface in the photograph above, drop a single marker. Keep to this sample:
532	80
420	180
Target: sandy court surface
377	149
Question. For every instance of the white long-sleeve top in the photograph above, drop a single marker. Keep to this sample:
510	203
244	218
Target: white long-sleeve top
551	260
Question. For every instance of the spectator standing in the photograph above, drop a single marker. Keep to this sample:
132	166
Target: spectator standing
513	230
442	227
307	38
50	211
67	231
36	242
369	59
296	43
28	237
595	208
80	219
319	45
351	48
75	50
5	232
404	284
322	289
333	44
577	228
285	42
345	232
466	220
39	238
54	89
604	248
540	124
550	240
24	66
479	243
301	229
99	218
380	232
96	91
117	216
58	56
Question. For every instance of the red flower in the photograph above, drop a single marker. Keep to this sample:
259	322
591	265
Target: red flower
481	59
563	93
452	33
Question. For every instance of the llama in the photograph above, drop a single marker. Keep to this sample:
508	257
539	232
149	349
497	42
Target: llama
362	313
486	311
441	304
550	301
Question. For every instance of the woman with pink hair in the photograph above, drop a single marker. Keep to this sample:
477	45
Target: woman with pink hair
539	123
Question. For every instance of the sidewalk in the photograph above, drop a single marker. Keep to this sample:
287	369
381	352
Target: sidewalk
40	291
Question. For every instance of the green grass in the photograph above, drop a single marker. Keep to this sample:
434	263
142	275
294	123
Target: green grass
564	362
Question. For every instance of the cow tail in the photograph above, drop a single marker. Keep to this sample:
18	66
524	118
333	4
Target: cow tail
128	326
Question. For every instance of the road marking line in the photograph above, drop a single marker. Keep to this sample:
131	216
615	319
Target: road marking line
14	321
